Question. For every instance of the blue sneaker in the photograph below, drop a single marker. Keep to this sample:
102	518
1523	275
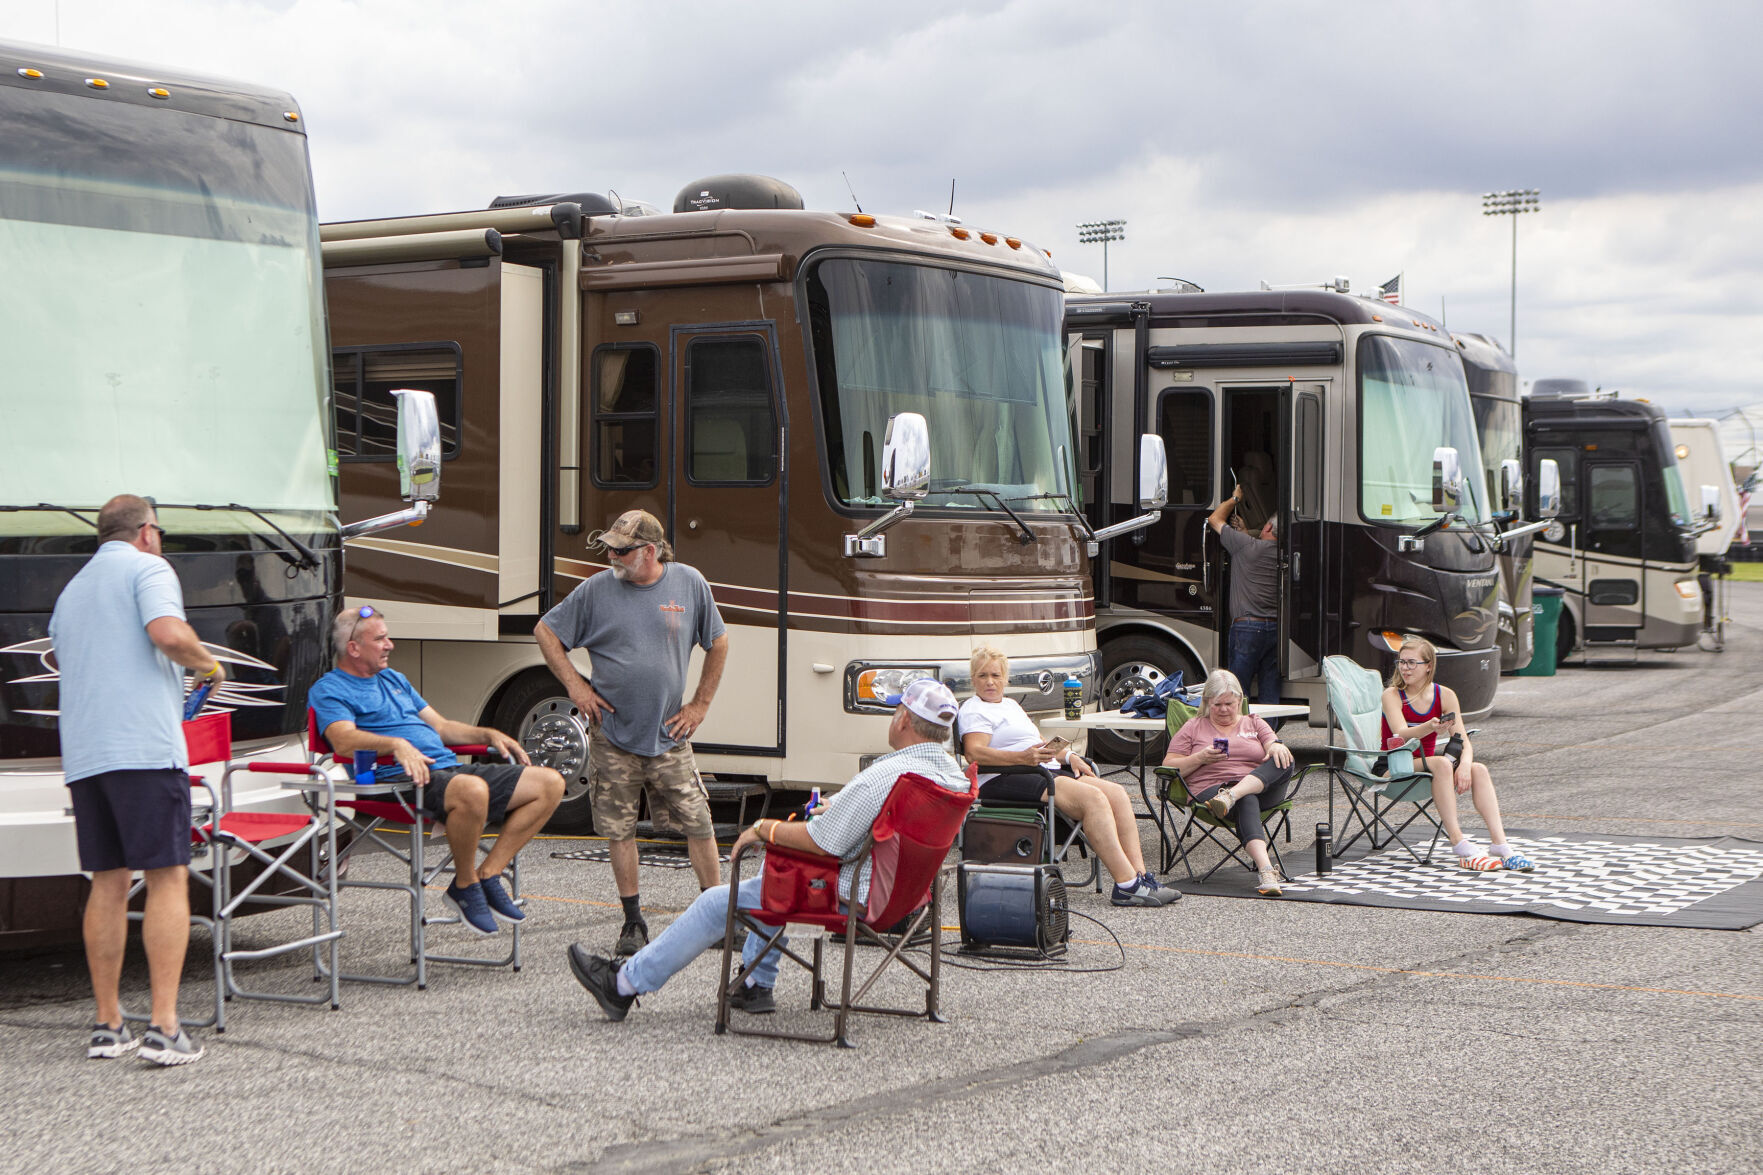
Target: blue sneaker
474	912
501	905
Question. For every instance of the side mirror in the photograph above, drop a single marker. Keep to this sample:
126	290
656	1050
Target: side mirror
419	446
1711	503
1511	485
1548	488
1153	473
1447	480
905	468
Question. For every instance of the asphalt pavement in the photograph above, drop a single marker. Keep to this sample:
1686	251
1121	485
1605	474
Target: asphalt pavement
1238	1035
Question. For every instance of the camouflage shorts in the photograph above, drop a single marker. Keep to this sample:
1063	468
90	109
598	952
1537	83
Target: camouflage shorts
616	780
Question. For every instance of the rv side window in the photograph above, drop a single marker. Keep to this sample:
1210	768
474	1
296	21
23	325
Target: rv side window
731	430
626	415
1307	456
366	411
1568	460
1614	493
1184	421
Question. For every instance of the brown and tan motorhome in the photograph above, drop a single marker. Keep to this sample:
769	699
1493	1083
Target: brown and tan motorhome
736	367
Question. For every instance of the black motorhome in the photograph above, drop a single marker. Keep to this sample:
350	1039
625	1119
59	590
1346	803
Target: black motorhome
1346	419
164	336
1622	547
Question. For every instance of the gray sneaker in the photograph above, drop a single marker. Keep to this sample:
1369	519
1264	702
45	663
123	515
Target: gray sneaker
633	938
1164	894
110	1043
1139	895
163	1049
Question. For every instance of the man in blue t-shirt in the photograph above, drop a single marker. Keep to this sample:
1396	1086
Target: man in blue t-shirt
119	636
364	706
638	621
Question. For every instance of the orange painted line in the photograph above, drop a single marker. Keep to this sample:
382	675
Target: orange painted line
1719	995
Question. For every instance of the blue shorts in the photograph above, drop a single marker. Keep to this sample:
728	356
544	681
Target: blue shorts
132	819
500	778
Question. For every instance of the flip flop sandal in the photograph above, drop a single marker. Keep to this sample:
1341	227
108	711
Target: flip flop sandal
1518	863
1478	864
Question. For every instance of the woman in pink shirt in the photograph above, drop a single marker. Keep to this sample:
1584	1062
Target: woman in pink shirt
1234	764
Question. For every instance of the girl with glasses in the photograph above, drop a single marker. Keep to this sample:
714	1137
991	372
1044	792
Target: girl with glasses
1415	706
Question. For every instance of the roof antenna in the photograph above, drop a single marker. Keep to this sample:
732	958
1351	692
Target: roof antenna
951	195
852	190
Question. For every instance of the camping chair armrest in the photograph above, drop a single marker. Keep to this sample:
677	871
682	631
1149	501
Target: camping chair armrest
312	771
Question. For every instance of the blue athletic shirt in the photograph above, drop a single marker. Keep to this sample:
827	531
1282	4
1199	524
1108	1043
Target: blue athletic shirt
385	704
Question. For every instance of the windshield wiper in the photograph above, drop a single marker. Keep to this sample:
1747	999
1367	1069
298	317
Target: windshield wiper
1025	538
52	508
305	561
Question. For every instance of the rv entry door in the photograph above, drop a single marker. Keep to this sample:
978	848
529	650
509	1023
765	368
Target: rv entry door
726	506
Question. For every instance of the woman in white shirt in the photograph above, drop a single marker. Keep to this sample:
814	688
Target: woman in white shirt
1016	766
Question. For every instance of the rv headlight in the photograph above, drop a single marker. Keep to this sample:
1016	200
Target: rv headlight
867	685
1689	589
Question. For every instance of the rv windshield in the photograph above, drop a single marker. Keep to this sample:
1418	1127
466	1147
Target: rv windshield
981	357
1413	399
161	317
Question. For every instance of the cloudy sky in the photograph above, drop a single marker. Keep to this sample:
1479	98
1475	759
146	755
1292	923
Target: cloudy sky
1278	140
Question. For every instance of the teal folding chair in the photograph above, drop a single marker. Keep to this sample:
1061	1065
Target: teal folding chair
1376	783
1201	825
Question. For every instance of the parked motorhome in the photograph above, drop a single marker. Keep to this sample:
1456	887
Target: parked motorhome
165	336
1621	548
1499	425
734	366
1330	411
1708	486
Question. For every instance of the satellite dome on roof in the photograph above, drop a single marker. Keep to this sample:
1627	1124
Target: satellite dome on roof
592	203
736	191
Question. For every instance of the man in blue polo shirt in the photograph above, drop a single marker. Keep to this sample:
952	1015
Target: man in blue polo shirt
364	706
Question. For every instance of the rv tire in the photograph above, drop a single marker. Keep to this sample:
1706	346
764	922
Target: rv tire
1132	663
538	713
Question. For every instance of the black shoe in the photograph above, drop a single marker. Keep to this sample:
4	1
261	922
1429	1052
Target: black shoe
633	938
755	1001
599	975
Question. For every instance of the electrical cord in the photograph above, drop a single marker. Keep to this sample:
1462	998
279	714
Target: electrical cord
1003	960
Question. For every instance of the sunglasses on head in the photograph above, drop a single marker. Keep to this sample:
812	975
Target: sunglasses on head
361	613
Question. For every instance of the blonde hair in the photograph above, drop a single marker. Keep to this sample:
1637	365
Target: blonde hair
1428	654
1219	683
986	655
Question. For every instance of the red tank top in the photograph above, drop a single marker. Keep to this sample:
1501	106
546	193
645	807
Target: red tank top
1414	718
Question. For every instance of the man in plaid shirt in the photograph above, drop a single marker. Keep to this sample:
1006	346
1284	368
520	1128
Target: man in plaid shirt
919	736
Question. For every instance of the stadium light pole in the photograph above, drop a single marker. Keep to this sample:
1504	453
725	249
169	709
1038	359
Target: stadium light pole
1513	203
1101	232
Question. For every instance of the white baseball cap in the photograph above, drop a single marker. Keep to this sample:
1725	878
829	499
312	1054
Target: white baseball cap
928	698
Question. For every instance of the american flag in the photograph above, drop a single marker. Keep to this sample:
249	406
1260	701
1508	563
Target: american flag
1391	291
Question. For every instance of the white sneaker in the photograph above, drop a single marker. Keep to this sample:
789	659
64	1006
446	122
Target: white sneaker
1267	883
161	1049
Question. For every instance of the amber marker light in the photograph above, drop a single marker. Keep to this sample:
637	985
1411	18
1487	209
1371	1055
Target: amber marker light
27	72
98	83
291	116
989	238
1391	640
960	234
1013	242
862	219
1377	318
159	92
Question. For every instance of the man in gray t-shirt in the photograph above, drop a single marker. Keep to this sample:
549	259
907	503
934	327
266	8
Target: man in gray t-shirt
1252	651
638	621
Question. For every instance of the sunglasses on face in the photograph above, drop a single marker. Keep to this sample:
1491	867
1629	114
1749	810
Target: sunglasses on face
156	527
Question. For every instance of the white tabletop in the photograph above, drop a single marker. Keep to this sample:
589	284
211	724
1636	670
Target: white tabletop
1115	720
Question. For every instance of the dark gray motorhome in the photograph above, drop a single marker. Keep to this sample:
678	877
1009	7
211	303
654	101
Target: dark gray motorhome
1346	419
1499	425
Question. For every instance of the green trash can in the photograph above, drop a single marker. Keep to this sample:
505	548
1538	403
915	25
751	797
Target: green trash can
1545	609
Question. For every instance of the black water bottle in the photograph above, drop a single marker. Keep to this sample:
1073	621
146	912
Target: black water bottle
1324	849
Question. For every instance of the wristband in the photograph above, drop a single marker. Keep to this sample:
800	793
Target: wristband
772	839
215	672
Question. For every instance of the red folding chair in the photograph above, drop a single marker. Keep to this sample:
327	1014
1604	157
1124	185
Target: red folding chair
265	845
907	849
370	812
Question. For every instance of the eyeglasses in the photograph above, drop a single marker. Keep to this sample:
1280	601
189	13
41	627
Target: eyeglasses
156	527
361	613
1410	663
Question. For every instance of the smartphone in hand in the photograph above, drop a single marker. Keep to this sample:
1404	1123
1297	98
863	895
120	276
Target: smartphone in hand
1221	745
1057	745
1447	719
